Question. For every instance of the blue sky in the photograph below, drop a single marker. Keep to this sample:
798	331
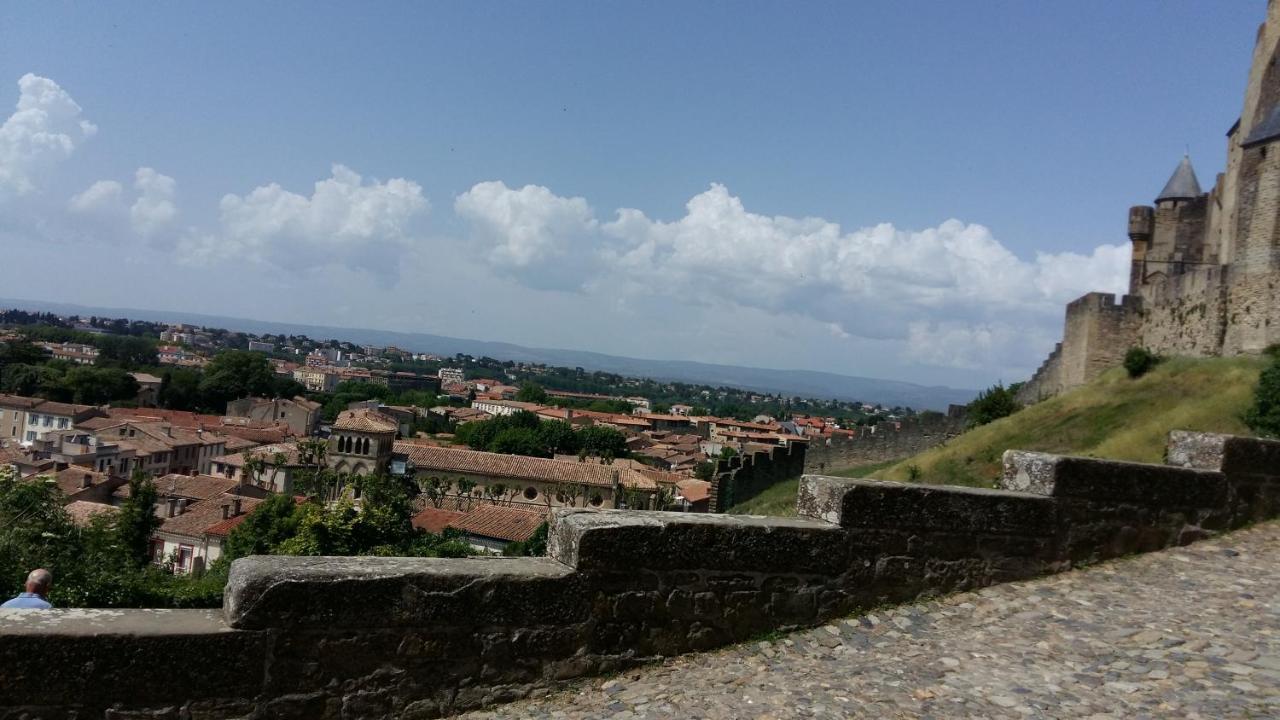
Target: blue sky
495	143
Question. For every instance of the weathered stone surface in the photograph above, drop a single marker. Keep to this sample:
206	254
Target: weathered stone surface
94	658
615	539
279	591
1147	637
933	508
1081	478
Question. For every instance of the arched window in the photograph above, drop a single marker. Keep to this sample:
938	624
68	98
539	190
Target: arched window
364	446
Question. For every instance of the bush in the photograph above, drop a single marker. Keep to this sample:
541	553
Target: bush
993	403
1264	416
1138	361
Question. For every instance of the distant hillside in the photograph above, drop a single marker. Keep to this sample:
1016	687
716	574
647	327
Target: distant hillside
805	383
1113	417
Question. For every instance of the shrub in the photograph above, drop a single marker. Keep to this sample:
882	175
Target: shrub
993	403
1138	361
1264	416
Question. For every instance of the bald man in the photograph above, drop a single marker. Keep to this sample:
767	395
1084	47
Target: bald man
36	596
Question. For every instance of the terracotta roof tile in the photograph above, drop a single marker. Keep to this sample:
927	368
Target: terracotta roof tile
365	420
198	487
694	490
205	515
71	480
435	520
520	467
82	511
501	523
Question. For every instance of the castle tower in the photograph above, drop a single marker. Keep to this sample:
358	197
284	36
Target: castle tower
1142	220
1177	232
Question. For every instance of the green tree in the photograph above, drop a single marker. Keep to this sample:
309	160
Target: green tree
705	470
518	441
532	393
233	374
137	519
1263	417
265	528
602	441
992	404
180	389
558	437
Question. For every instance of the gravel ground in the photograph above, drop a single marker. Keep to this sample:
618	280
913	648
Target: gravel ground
1192	632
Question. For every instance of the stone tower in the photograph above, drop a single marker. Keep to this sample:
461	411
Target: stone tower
1205	266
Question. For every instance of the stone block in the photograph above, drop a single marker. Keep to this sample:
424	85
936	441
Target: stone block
606	540
1111	481
86	656
356	592
1230	454
907	508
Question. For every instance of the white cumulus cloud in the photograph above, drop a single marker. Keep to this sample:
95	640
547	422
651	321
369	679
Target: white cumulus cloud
44	130
531	232
149	209
154	209
345	221
952	295
102	196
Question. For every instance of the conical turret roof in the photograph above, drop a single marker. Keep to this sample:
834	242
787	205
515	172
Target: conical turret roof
1183	185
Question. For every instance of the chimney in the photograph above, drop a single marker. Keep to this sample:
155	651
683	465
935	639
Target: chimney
226	510
173	506
237	506
86	481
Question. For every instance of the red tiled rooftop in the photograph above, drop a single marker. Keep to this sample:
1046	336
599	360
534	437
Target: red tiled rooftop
502	523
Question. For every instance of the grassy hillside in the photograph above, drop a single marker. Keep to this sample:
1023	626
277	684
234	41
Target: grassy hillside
1113	417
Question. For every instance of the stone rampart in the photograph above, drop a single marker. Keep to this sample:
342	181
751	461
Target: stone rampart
880	443
742	477
1098	330
1187	313
417	638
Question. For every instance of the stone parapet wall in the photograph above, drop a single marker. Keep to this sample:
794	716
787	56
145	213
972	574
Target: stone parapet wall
880	443
417	638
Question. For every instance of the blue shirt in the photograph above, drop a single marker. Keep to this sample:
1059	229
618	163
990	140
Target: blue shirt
27	601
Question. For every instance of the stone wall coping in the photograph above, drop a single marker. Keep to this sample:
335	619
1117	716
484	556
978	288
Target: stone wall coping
1087	478
827	498
263	590
599	539
82	622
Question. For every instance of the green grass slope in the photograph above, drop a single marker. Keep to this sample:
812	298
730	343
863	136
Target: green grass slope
1113	417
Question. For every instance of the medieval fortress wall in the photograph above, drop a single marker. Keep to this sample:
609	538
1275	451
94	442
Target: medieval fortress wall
356	638
1205	270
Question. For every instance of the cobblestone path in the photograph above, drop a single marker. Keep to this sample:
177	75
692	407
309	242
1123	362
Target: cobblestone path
1192	632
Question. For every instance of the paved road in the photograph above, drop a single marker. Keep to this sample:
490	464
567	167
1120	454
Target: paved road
1189	633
